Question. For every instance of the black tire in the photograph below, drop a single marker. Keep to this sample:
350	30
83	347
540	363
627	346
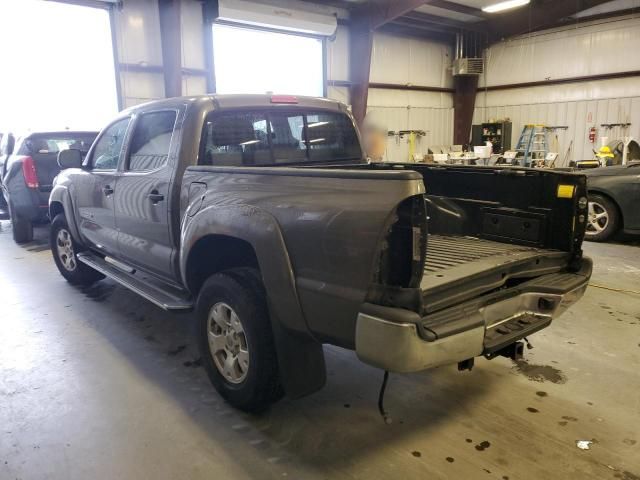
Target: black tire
240	290
22	228
603	228
74	271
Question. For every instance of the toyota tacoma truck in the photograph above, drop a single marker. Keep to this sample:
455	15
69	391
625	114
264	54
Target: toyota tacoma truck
262	214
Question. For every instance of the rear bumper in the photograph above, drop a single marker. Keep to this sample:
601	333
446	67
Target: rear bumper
401	341
28	203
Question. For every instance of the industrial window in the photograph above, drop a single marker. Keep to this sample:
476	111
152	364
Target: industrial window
270	138
255	61
151	141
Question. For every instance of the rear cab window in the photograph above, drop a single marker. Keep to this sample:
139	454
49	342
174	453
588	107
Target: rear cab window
278	137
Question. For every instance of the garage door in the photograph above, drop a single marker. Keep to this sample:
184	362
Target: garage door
57	66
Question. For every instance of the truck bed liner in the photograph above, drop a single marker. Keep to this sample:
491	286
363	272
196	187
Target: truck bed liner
460	267
449	251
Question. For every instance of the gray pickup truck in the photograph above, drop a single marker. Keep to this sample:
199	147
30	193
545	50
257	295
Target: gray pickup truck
262	214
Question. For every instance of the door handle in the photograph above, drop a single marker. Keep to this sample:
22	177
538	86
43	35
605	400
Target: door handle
155	196
107	190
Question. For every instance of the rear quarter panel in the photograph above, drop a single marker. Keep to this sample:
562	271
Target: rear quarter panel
331	222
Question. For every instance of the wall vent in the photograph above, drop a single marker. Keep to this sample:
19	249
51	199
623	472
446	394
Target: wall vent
468	66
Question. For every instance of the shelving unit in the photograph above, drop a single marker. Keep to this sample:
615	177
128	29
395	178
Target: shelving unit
499	133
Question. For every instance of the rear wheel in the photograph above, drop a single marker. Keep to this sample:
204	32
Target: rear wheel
603	219
235	339
22	228
65	250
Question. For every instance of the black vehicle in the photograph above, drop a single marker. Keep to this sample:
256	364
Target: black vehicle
614	198
28	170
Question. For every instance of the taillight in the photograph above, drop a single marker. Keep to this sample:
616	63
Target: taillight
29	172
403	255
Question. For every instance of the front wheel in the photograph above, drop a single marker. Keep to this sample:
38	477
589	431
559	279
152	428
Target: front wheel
235	339
65	250
603	219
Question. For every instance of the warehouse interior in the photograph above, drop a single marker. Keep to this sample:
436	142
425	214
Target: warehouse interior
100	379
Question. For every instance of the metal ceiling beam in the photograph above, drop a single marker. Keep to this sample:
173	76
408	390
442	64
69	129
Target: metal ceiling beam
459	8
540	14
397	29
452	24
385	11
429	27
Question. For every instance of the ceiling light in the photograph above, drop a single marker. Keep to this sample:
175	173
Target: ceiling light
500	6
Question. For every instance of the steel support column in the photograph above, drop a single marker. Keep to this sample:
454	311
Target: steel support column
171	39
464	102
364	21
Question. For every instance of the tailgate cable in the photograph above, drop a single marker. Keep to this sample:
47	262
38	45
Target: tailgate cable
383	388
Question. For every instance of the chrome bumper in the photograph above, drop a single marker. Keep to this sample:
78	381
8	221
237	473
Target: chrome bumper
401	341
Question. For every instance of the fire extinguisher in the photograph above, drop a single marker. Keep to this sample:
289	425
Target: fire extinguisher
592	134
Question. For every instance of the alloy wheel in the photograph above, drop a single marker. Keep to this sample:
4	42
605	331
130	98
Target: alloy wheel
228	343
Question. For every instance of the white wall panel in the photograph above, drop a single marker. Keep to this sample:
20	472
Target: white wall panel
340	94
585	49
138	32
141	87
192	35
409	110
579	116
410	61
338	55
404	61
607	46
194	85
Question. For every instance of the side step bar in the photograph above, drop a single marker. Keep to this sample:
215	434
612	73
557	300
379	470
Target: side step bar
163	296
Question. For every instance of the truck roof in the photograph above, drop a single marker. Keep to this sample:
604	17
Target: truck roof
233	101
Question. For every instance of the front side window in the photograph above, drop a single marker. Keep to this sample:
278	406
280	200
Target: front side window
151	141
278	137
107	151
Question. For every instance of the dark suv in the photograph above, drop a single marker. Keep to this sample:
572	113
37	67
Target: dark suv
28	172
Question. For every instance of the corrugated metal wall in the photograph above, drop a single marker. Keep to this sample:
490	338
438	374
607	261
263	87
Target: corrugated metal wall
401	61
593	48
137	27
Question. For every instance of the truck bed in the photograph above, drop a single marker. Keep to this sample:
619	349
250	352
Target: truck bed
461	267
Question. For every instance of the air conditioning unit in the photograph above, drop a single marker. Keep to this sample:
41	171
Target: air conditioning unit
468	66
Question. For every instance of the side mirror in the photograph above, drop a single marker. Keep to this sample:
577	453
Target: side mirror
70	158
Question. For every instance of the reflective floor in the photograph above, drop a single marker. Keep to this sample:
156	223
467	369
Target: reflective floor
99	384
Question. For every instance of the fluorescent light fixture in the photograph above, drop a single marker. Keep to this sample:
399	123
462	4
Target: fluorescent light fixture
249	142
500	6
317	124
316	140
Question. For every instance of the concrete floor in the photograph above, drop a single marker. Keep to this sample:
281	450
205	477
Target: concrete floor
99	384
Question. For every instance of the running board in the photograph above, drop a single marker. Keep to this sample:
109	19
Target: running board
163	296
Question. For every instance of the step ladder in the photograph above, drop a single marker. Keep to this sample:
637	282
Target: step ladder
533	145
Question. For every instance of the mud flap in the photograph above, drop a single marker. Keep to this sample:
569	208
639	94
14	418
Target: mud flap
300	361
